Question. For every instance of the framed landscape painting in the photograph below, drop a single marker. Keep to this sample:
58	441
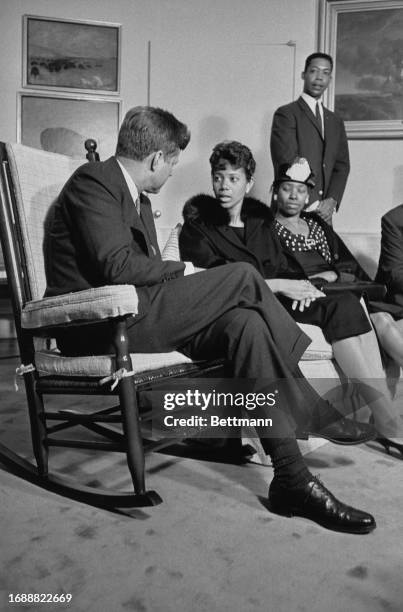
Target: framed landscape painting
71	55
365	39
61	124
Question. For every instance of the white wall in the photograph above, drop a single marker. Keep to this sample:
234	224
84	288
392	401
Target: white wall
375	184
186	30
187	27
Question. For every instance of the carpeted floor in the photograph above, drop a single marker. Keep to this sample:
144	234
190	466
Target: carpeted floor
211	546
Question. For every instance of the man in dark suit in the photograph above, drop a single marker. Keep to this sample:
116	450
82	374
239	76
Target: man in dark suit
390	267
305	128
103	233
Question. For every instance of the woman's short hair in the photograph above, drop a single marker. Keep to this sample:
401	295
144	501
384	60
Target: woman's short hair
235	153
146	129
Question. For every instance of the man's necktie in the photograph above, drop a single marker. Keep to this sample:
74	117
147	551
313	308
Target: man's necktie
137	205
318	117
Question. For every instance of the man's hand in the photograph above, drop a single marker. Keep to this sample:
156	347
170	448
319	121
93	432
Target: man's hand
302	292
326	209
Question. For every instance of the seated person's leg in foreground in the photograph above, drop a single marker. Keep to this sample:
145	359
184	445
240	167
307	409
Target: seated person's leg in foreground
244	335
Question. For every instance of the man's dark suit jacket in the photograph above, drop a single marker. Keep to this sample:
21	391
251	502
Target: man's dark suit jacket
96	236
390	268
296	133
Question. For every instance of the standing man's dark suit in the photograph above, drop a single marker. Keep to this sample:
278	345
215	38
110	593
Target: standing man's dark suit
296	133
306	128
390	268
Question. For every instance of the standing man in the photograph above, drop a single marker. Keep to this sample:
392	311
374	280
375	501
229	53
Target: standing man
103	233
306	128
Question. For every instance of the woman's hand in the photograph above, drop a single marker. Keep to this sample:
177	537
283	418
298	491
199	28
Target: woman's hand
302	292
330	276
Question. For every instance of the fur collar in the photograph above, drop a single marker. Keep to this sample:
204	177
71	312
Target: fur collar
204	208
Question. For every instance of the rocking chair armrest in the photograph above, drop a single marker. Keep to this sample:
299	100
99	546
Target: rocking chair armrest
80	307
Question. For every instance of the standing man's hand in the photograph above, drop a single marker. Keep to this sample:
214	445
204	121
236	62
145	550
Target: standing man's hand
326	209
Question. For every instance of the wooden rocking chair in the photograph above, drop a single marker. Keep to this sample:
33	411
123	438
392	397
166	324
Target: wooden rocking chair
30	182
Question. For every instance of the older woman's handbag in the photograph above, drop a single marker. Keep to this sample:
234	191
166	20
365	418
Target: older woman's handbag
369	289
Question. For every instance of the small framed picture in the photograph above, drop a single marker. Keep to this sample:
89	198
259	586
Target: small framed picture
81	56
62	124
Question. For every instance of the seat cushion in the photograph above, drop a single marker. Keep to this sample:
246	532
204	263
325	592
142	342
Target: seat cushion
170	252
52	363
319	347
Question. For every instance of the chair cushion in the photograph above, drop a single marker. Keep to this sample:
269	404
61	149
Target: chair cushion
52	363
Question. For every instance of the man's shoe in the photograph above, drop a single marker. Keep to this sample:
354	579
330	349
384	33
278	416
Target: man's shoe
315	502
345	431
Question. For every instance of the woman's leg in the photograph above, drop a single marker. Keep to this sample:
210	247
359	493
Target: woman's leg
346	326
390	335
359	357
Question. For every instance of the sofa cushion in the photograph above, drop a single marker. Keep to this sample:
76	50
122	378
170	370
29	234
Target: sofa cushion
366	247
170	252
319	347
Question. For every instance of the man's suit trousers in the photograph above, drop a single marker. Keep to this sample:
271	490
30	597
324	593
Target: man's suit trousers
226	312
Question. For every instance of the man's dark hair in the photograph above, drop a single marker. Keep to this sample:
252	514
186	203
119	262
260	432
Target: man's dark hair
318	54
146	129
237	154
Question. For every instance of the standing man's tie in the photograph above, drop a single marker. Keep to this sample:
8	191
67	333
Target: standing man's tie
319	118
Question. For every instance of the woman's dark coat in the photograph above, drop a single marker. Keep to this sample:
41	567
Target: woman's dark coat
208	241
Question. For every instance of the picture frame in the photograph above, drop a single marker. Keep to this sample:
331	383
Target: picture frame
62	123
364	38
69	55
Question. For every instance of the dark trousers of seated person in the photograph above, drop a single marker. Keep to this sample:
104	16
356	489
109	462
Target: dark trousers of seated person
339	317
226	312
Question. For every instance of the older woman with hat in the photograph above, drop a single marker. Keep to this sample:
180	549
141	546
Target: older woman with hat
233	227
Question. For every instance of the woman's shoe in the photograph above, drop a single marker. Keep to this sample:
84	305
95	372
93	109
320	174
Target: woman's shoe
388	444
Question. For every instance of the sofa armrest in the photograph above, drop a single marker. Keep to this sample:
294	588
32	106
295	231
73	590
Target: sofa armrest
80	307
